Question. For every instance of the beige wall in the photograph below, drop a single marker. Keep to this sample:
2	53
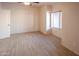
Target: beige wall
23	18
70	25
42	19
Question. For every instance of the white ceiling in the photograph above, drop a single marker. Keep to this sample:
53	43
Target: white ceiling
33	4
17	4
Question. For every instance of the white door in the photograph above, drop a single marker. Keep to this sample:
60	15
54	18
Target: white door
4	24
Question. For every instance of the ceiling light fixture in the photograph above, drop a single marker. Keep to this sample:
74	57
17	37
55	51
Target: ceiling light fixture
26	3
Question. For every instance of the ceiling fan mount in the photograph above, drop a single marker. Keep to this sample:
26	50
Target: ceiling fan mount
36	2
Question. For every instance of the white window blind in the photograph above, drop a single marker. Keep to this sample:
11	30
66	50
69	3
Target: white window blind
56	20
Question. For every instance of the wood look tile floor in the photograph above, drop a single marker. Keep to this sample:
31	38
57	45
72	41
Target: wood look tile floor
33	44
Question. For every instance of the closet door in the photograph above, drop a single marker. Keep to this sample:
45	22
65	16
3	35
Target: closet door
4	24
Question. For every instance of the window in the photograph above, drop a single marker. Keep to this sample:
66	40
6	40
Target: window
56	20
53	20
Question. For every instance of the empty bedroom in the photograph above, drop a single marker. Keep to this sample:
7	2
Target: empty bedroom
39	29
